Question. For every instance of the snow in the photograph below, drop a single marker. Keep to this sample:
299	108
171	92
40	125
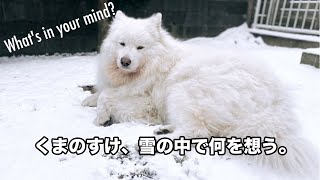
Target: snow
302	37
40	96
315	51
236	36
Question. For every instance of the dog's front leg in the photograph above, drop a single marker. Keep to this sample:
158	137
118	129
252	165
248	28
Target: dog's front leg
91	101
103	111
165	129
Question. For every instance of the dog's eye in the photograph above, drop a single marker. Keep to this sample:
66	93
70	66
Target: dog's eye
122	44
140	47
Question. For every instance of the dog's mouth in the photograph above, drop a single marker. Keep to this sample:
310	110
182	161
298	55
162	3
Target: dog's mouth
127	69
119	76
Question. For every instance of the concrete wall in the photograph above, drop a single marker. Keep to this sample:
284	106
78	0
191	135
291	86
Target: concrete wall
190	18
183	18
18	17
284	42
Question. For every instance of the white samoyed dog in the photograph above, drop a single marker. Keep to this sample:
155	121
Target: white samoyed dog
145	75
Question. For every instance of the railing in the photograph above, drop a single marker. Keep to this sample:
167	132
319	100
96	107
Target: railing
292	16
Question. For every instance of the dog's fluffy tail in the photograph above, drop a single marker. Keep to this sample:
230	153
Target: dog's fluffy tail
301	159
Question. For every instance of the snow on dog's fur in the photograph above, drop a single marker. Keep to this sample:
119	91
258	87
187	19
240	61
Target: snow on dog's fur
145	75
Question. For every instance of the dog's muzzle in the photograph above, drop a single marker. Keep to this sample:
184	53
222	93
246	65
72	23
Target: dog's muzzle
125	62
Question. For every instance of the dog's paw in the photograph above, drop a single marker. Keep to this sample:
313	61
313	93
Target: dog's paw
90	101
103	121
167	129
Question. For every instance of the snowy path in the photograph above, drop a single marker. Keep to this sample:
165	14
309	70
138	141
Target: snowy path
40	97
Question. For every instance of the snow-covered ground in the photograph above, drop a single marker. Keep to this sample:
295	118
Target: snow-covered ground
40	96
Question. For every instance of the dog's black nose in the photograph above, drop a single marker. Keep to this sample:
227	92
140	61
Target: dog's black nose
125	61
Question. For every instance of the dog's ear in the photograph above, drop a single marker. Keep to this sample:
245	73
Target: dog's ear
156	19
120	15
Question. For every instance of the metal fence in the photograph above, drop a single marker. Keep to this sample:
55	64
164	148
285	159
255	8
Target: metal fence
293	16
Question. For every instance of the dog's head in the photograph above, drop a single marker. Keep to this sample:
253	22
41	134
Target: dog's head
134	41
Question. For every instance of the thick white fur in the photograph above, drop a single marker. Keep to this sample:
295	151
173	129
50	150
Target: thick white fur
198	91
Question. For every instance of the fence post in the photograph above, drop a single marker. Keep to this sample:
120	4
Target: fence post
256	14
